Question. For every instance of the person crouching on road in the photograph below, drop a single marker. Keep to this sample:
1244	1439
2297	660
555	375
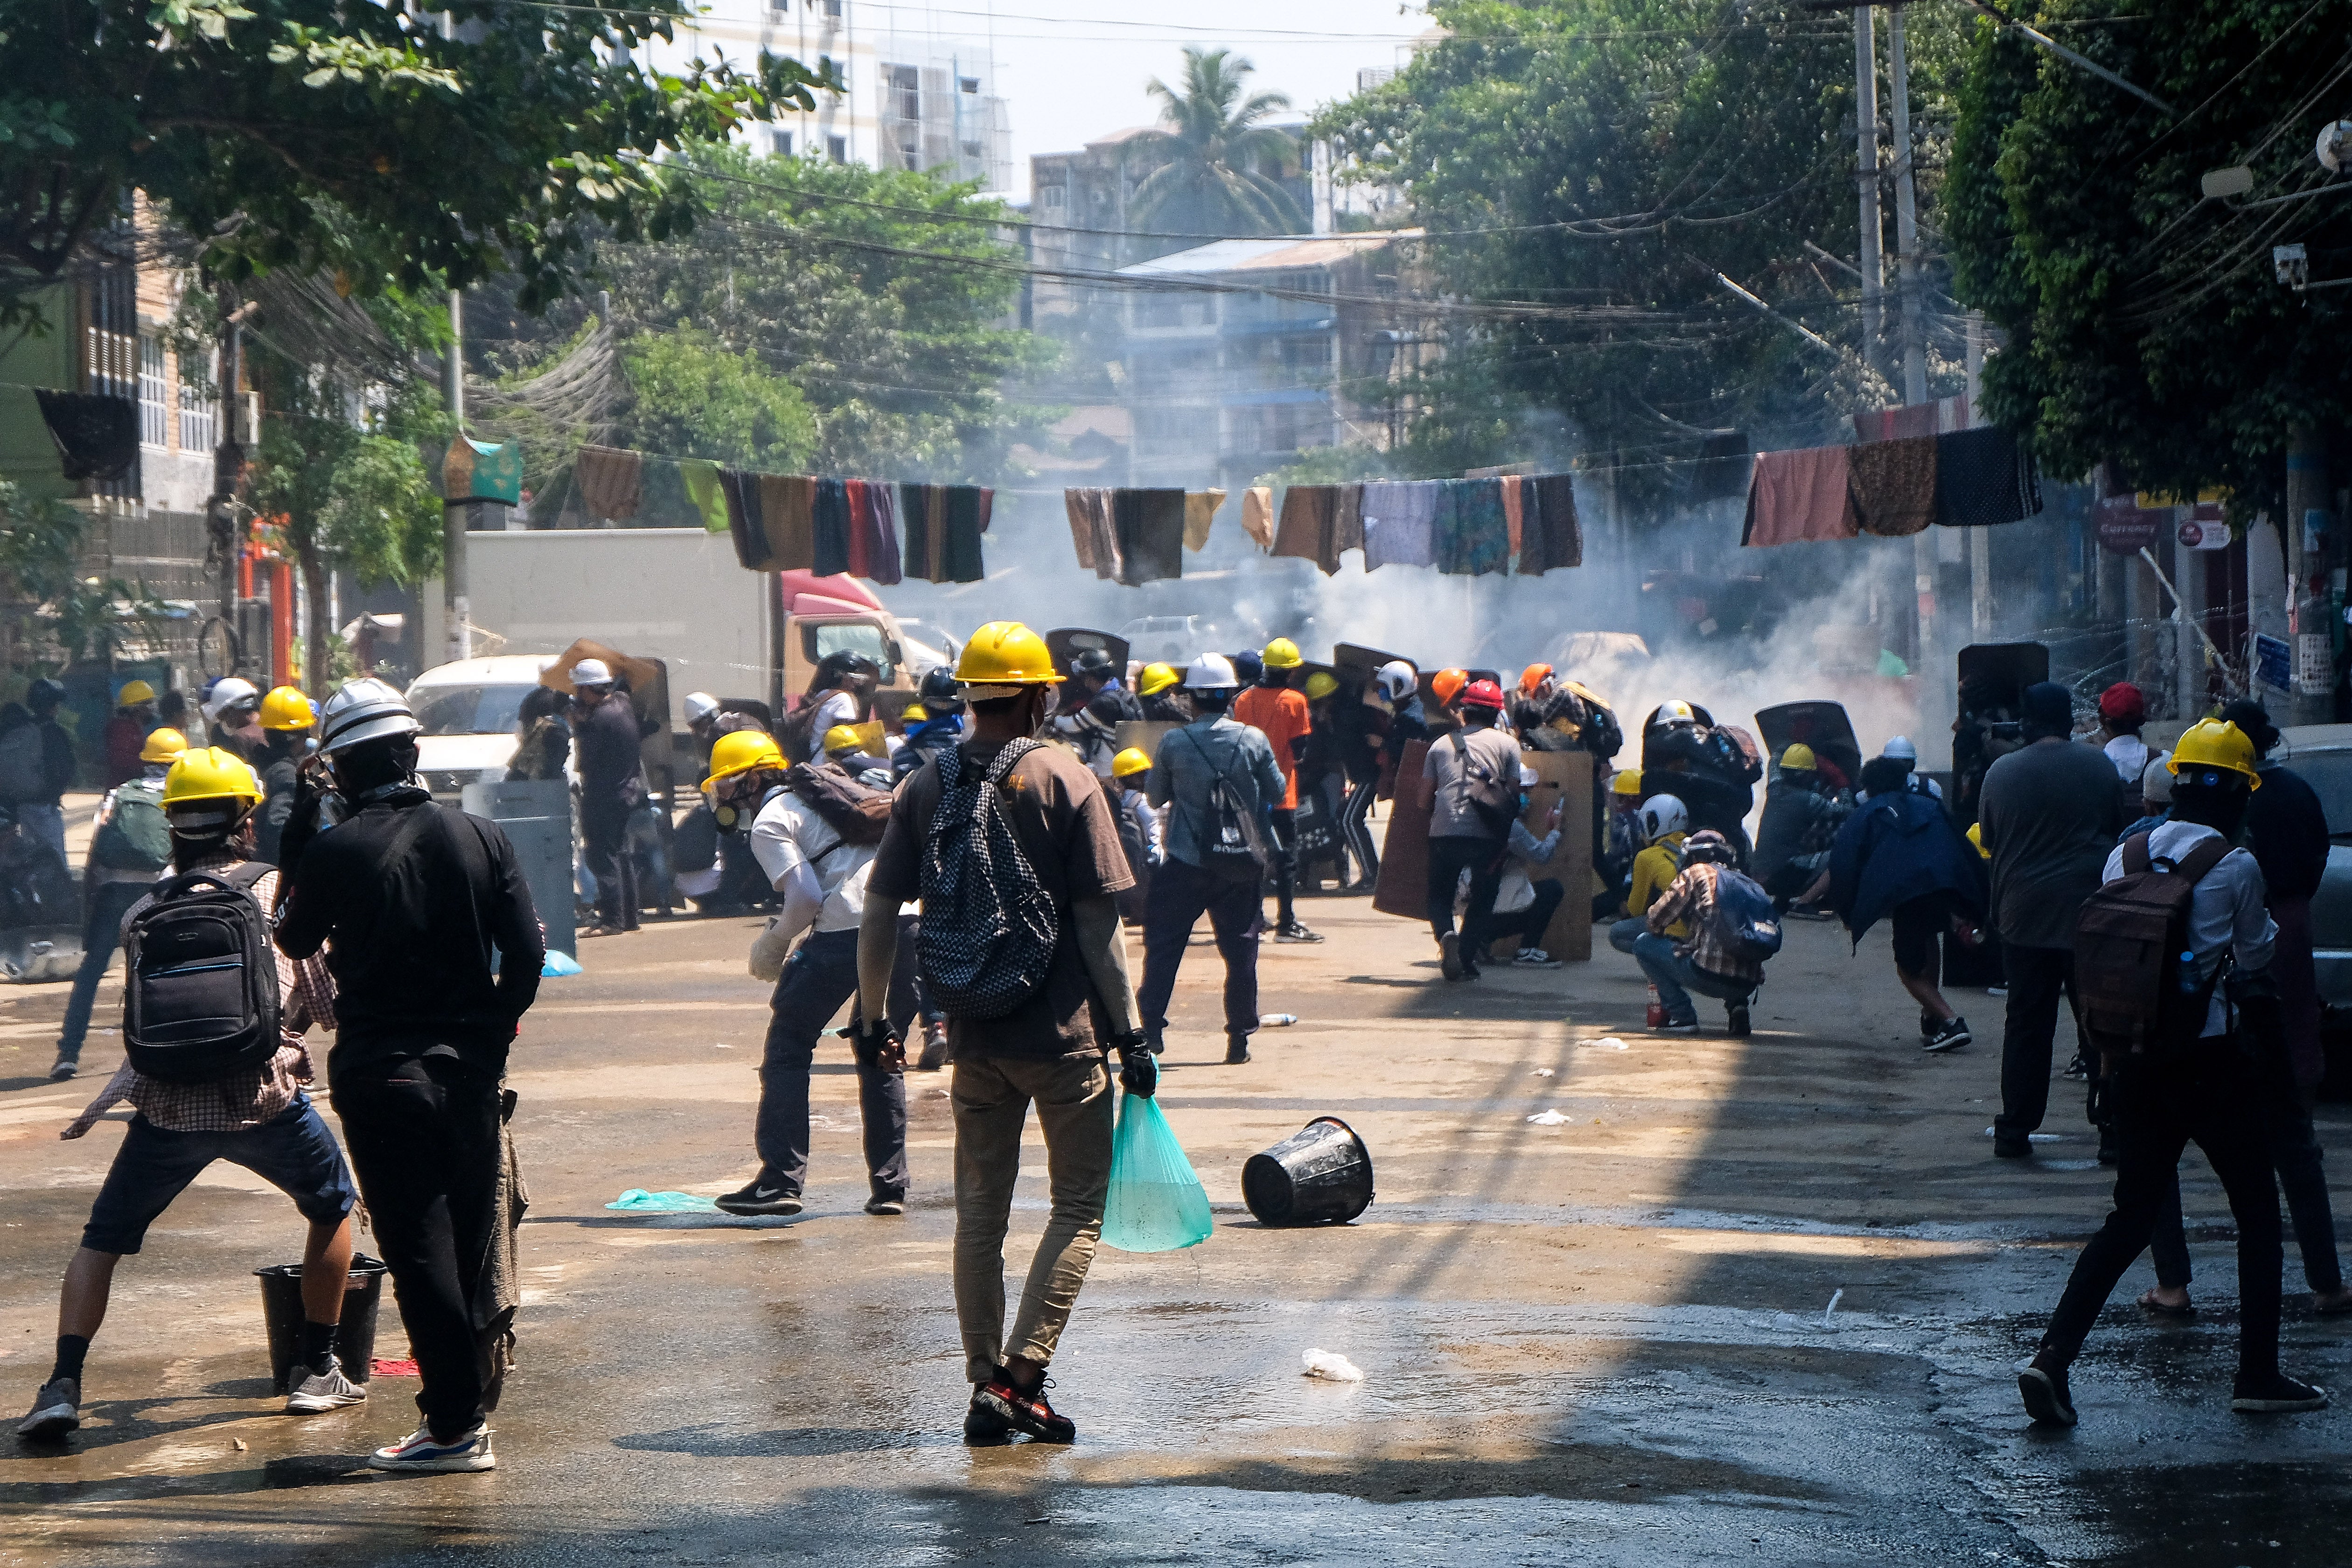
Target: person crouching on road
1466	830
1664	824
420	900
257	1117
1525	901
2192	1078
1621	841
1046	827
822	877
1699	962
1900	857
1203	870
1792	842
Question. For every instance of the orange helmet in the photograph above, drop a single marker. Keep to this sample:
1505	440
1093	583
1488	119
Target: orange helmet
1447	684
1533	677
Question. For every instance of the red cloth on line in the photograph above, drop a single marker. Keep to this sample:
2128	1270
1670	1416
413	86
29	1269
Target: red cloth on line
1797	495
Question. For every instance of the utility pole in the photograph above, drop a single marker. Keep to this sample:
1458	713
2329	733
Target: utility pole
1906	217
456	610
2309	579
1865	139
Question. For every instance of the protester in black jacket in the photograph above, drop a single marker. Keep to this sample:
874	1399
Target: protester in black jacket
612	787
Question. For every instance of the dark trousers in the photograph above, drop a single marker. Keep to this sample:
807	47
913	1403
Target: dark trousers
1283	868
423	1134
1531	922
2158	1108
604	835
2037	977
1355	827
2284	1112
1180	893
819	976
1448	859
109	903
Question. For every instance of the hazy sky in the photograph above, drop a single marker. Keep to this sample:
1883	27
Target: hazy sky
1073	69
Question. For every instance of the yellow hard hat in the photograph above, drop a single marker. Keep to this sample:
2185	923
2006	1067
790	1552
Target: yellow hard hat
1156	678
2211	743
1627	782
286	709
134	693
842	737
1129	762
163	746
1321	685
1800	755
916	713
209	773
1002	657
1976	837
1282	654
739	751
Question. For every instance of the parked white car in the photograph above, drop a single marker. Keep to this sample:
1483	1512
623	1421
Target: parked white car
469	710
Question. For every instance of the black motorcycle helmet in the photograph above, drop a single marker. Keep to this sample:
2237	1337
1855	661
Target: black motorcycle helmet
940	693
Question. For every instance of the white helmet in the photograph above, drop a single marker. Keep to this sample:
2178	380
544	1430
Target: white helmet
364	709
1674	713
228	693
699	706
592	672
1211	673
1663	814
1902	750
1396	680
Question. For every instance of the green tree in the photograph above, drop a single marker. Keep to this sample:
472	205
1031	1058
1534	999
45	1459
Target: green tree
2143	323
365	140
47	605
1217	160
691	398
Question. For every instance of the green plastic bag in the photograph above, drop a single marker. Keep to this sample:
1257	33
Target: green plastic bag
1156	1203
637	1201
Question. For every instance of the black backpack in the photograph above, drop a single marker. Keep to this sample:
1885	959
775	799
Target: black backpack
989	928
200	986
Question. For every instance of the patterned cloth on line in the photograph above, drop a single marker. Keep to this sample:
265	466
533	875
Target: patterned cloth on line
1894	484
1984	478
1398	516
1470	534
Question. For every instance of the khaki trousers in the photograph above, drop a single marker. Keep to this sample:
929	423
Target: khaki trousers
992	1100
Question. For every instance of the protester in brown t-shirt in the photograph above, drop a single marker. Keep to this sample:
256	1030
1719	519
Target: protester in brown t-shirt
1049	1048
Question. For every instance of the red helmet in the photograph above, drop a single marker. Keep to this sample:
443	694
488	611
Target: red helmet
1483	694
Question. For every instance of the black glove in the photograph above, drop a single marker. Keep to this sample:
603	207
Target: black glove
880	1043
1138	1070
315	809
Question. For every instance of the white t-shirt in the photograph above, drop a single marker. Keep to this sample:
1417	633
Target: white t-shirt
819	875
838	708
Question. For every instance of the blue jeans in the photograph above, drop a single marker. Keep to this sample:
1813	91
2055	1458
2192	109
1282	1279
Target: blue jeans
109	903
1676	976
1623	934
292	1151
819	976
46	824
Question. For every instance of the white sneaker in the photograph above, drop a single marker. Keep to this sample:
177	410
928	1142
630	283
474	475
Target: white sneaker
424	1454
315	1393
1534	958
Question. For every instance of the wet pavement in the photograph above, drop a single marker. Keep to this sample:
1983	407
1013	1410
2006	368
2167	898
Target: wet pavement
1752	1300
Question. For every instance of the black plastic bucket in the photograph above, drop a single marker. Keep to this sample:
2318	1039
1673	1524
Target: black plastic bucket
281	1309
1320	1174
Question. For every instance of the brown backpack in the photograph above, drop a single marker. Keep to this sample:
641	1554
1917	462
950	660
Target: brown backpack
2128	940
858	812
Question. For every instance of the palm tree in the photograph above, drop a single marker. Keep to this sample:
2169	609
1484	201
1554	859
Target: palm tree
1217	157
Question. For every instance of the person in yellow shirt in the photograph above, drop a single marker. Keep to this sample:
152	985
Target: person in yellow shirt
1665	823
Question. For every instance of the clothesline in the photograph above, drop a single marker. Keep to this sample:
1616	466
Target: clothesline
1891	488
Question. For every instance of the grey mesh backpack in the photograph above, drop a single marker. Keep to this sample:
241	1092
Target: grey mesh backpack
989	926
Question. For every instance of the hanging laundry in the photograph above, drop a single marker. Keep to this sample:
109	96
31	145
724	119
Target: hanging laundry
1515	517
1894	484
1257	514
1398	516
1346	521
829	528
611	481
1983	477
1305	526
701	478
968	508
1721	471
1797	495
914	529
861	541
1199	512
1551	535
877	520
1092	531
97	436
787	505
744	522
1470	533
1150	526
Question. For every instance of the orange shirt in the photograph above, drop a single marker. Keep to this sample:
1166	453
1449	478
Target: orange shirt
1281	715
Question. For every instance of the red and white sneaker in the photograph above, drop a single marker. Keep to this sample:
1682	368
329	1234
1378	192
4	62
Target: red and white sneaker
423	1453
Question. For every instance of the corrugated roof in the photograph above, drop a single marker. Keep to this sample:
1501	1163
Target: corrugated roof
1263	255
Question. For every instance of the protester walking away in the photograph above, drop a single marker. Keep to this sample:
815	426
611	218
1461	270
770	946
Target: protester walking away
436	952
2172	952
130	847
126	732
1011	847
1621	841
1900	858
1092	731
612	787
2122	711
38	764
1215	780
1525	899
1139	829
286	719
1162	701
1359	731
2050	811
1278	712
1792	842
1729	933
230	1088
1472	780
232	708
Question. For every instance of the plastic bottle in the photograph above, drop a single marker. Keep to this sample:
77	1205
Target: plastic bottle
1277	1020
1657	1010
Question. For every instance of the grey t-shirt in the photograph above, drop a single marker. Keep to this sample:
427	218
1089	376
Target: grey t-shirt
2051	812
1451	815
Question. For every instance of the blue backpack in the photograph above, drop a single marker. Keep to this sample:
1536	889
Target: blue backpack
1744	917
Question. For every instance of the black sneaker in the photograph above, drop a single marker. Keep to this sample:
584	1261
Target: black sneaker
1292	931
983	1426
760	1198
63	1068
935	1049
885	1206
1737	1012
2011	1147
2080	1068
2047	1398
1237	1050
2276	1394
1928	1024
1949	1035
56	1410
1023	1412
1449	956
1676	1025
